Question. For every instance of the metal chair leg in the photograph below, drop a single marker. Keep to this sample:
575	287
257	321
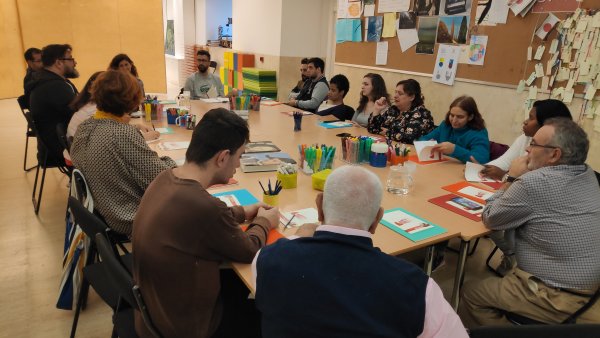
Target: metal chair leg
25	158
460	273
487	262
36	204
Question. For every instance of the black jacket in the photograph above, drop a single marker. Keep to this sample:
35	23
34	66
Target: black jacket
49	105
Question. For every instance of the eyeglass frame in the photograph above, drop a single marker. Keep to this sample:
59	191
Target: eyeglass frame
534	144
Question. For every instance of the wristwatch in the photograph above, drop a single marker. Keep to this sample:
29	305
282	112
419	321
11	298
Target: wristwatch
507	178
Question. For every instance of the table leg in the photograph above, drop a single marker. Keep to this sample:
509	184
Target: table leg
429	255
460	273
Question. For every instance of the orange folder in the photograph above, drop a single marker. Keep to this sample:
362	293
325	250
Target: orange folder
415	158
460	187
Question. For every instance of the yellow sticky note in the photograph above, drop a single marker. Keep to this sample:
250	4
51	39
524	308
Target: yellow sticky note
389	25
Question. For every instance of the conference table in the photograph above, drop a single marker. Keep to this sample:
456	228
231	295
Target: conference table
271	124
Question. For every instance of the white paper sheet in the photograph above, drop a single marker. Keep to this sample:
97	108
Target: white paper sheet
387	6
407	38
473	173
423	149
174	145
477	49
302	216
381	53
369	10
445	64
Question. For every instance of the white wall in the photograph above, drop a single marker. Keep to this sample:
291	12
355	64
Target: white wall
218	11
200	18
304	26
257	26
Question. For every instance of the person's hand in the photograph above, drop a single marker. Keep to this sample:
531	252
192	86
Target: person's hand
143	128
151	135
293	103
492	172
272	215
379	106
306	230
445	148
250	211
473	159
518	167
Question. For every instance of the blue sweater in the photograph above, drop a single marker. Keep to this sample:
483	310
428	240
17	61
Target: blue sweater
333	285
467	142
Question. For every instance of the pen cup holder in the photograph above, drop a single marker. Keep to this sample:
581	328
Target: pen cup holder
397	159
272	200
318	179
288	181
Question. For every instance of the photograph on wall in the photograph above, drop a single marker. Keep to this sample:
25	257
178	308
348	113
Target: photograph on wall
407	20
455	7
170	38
374	26
427	31
453	29
426	7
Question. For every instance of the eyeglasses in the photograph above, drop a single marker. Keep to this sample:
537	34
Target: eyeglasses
68	59
533	144
202	61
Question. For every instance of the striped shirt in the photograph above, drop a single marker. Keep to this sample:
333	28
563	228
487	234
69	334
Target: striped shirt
556	213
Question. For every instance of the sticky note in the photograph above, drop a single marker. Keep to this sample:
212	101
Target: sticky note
590	93
531	78
539	70
529	52
553	47
545	81
568	95
532	93
521	86
539	52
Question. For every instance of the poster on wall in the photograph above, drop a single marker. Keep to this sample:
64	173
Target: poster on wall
453	29
170	38
455	7
477	49
426	7
426	32
445	64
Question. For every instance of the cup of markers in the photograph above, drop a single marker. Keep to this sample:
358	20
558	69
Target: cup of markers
271	194
315	158
398	154
356	149
287	174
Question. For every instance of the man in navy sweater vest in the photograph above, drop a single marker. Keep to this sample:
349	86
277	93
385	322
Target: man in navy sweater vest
336	284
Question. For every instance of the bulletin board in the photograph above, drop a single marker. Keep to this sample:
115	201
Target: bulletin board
505	60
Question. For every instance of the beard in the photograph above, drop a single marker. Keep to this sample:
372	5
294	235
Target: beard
71	73
202	68
304	77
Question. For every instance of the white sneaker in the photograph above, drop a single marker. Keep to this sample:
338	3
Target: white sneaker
506	265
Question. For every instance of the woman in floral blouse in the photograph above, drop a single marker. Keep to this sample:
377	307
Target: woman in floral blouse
407	119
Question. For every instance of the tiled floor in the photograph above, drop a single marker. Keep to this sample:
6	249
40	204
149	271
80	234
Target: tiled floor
31	248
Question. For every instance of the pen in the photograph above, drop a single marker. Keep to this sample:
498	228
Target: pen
263	188
289	222
153	126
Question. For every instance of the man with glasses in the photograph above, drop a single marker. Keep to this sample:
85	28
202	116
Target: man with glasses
33	57
51	94
550	197
201	84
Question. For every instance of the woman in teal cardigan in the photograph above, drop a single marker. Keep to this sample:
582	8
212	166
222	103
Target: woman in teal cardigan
462	134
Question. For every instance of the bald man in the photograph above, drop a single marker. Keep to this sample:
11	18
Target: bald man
334	283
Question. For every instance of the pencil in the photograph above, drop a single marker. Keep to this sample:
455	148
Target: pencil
263	188
289	222
153	126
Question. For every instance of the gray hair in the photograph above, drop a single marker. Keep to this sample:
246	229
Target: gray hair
571	139
352	197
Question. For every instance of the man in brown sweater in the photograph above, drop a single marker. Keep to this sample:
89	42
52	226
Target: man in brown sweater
181	234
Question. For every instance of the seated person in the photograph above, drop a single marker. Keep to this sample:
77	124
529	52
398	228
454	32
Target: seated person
497	169
201	84
338	88
314	91
124	63
302	81
85	108
182	234
462	134
33	58
405	121
113	155
551	199
373	88
51	93
360	291
541	111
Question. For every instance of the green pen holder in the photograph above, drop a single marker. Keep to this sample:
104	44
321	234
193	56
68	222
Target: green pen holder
288	181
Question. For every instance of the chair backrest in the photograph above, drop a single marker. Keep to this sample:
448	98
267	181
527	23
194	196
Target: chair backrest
122	281
21	101
497	150
213	65
89	223
61	131
597	176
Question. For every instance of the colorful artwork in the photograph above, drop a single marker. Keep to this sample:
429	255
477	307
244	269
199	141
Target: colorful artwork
453	29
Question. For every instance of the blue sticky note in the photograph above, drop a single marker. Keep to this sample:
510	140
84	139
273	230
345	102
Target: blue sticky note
334	125
242	196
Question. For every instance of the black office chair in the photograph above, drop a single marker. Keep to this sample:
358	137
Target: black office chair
213	65
61	131
537	331
130	296
93	273
29	132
